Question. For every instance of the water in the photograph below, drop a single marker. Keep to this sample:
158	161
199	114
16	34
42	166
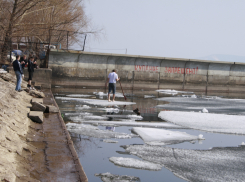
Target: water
94	154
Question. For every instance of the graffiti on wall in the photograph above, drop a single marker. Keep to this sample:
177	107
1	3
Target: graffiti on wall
181	70
177	70
146	68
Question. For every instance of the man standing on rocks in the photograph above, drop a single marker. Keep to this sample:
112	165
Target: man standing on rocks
112	79
30	70
18	72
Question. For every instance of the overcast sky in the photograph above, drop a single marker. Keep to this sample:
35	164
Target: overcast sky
169	28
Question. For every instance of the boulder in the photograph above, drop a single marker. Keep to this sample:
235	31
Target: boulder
52	109
37	94
36	116
38	107
38	100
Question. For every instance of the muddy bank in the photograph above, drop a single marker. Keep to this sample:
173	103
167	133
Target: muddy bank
30	151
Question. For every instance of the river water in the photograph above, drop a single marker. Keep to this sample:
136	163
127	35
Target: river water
94	154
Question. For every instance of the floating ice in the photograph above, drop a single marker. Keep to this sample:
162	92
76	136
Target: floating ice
106	94
96	101
200	137
93	131
139	124
110	141
220	123
171	92
111	110
149	96
216	164
193	96
78	95
83	107
221	105
242	143
153	136
205	110
135	163
78	114
108	177
94	117
134	117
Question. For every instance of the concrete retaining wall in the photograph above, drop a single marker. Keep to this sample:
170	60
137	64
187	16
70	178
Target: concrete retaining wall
79	69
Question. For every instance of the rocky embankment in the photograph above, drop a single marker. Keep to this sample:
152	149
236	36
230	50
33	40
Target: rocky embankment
17	153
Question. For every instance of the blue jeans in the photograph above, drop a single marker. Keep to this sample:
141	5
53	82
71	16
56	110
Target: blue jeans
19	80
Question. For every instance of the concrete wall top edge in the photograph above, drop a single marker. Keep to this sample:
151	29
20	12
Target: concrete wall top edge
141	56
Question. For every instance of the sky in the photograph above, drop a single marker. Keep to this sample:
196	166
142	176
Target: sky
168	28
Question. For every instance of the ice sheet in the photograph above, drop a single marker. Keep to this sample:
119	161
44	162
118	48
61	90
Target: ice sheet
93	131
135	163
139	124
213	105
221	123
108	177
78	114
216	164
78	95
96	101
153	136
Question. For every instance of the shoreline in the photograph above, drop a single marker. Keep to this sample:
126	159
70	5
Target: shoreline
31	151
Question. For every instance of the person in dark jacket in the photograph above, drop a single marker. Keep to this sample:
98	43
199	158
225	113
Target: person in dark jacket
24	58
31	65
18	72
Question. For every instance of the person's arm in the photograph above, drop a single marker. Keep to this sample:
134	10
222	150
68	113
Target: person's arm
117	79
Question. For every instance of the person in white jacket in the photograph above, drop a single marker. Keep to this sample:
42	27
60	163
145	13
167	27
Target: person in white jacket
112	79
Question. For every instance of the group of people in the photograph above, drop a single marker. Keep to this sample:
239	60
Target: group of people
19	64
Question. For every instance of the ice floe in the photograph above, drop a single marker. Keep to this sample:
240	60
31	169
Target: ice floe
78	114
152	136
221	123
134	117
172	92
135	163
217	164
96	101
204	110
78	95
108	177
106	94
221	105
138	124
109	141
149	96
95	132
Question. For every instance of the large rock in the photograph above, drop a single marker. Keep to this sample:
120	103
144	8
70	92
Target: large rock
38	100
52	109
36	116
37	94
38	107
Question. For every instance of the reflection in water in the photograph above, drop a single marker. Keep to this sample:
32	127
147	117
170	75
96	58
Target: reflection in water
84	144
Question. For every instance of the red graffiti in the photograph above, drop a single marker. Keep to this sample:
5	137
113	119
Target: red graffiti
146	68
181	70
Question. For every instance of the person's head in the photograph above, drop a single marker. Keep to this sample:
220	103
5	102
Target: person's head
32	59
114	70
24	56
18	57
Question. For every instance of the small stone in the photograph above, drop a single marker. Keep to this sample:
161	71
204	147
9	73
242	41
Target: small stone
36	116
38	107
